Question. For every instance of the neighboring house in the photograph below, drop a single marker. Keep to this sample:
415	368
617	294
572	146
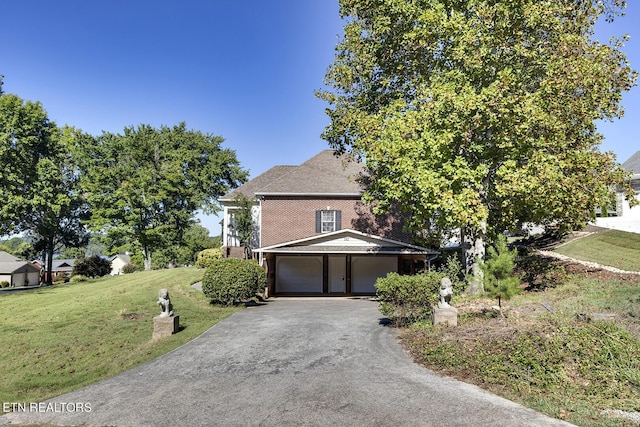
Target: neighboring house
314	235
624	217
17	272
118	262
59	267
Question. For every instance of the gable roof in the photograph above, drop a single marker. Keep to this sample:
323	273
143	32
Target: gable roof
633	163
347	241
10	267
324	174
5	256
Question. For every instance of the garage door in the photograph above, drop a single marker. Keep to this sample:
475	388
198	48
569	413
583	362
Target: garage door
365	271
298	274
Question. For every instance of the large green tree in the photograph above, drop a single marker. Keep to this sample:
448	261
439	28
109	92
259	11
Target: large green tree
146	184
479	115
38	181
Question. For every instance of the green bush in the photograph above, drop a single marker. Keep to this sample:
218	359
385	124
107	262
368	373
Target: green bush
406	299
229	280
78	278
94	266
4	284
500	281
129	268
208	256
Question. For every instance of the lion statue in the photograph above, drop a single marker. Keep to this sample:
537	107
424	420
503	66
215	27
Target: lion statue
446	291
165	303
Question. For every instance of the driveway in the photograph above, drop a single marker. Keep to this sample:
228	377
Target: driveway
290	362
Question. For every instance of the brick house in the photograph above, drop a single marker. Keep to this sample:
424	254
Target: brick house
314	235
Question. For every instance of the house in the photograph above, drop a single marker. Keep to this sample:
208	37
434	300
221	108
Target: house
624	217
118	262
59	267
18	273
313	233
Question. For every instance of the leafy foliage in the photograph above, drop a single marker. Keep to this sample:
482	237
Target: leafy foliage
147	184
40	191
94	266
499	278
207	257
409	298
242	223
229	280
129	268
479	114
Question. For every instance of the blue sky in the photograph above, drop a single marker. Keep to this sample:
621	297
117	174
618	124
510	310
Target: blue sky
242	69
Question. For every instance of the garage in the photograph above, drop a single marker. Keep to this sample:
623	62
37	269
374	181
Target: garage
365	270
299	274
345	262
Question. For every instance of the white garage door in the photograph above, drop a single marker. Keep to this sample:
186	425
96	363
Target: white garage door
365	271
301	274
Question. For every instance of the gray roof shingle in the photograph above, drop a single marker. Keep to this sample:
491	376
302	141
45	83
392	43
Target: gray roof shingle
633	163
325	173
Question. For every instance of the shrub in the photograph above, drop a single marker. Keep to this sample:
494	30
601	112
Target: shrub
94	266
78	278
208	256
129	268
59	278
4	284
229	280
406	299
499	279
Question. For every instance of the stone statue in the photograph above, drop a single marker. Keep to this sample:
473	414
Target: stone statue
165	303
446	291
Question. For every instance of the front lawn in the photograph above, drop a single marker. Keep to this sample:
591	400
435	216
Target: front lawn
57	339
614	248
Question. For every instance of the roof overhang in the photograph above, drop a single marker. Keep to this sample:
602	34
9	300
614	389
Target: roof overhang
267	194
347	241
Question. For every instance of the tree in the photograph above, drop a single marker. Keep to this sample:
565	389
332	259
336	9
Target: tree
499	279
38	185
146	184
94	266
243	222
479	115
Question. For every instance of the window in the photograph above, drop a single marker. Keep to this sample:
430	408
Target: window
328	221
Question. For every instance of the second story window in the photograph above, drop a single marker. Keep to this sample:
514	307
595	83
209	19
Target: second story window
328	221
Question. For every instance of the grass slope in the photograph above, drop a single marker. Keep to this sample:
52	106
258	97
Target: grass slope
552	362
614	248
60	338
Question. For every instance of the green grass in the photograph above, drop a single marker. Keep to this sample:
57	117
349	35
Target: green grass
614	248
57	339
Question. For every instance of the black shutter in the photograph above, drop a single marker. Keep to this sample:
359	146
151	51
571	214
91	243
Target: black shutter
338	220
318	221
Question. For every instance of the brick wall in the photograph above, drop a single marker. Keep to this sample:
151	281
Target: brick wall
291	218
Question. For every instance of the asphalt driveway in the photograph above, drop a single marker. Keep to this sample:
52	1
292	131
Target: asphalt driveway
291	362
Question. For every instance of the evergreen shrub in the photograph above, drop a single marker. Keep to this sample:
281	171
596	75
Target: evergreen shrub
230	280
207	256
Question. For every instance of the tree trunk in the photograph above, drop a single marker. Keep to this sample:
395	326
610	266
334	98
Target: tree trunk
473	247
49	264
146	255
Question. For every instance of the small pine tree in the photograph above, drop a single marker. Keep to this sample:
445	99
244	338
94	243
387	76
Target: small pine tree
499	279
